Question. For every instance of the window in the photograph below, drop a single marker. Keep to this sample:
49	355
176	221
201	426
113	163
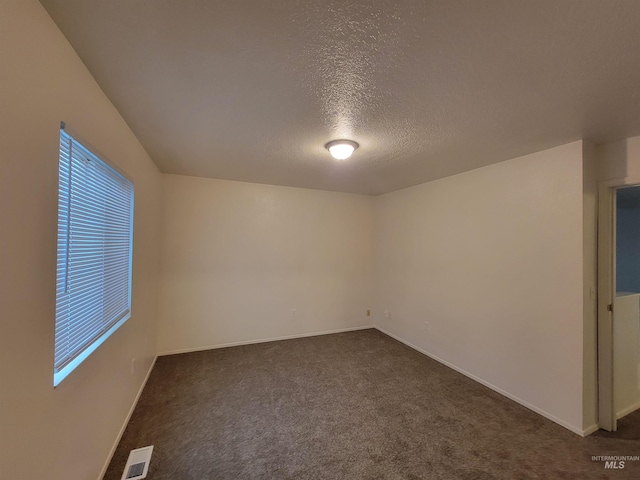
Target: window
93	281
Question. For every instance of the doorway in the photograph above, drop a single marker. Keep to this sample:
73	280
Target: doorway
619	305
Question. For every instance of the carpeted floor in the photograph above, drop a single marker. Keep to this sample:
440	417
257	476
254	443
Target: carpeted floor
356	405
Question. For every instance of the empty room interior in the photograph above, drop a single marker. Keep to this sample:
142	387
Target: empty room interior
453	300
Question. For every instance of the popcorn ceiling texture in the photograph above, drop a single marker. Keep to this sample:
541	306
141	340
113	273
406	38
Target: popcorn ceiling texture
355	405
252	90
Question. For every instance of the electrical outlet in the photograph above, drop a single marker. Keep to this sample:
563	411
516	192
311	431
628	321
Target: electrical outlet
426	326
293	313
387	314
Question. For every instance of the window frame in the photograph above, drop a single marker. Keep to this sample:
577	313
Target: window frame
91	343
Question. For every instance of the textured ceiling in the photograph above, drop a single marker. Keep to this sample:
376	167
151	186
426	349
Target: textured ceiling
251	90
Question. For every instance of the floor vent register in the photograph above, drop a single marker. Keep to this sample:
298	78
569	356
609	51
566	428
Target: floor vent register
137	464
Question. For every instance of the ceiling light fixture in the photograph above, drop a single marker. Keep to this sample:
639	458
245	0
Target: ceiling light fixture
341	149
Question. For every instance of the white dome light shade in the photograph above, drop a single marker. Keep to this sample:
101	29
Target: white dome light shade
341	149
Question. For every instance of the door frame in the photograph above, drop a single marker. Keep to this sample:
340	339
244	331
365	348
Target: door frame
606	295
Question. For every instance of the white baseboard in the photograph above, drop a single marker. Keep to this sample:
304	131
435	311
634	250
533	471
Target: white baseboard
263	340
589	430
126	420
524	403
628	410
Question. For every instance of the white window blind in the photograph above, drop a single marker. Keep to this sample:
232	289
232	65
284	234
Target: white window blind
93	282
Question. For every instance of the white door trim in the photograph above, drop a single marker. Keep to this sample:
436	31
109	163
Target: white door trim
606	295
606	270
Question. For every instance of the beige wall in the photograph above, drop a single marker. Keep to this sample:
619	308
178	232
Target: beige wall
619	160
493	260
237	258
67	432
632	148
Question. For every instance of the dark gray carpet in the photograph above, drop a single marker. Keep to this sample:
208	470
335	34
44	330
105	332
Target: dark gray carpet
356	405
